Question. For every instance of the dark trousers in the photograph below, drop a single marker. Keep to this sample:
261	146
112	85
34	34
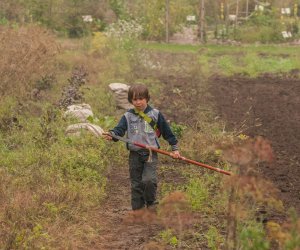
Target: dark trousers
143	178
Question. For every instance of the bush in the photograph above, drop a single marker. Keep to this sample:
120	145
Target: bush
25	56
263	34
197	193
9	112
48	182
77	28
261	27
252	237
214	239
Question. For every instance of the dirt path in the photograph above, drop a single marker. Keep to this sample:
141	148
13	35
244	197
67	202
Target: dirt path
116	230
268	106
122	228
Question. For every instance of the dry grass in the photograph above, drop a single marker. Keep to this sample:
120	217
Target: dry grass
25	56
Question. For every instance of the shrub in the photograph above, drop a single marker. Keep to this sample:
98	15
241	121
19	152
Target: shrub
252	237
46	82
197	193
177	129
99	42
125	33
214	239
263	34
261	27
51	184
169	238
9	112
25	56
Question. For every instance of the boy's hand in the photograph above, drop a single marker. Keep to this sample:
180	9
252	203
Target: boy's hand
175	154
107	136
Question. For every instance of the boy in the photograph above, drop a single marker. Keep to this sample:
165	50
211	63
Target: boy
143	124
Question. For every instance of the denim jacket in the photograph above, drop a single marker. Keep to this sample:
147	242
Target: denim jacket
138	130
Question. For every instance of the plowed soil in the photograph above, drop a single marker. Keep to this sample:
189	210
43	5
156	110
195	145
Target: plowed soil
268	106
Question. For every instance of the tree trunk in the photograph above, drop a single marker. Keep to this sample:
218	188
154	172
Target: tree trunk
227	17
236	13
167	19
202	21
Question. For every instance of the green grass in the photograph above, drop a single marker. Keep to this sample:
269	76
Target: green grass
215	49
251	60
170	47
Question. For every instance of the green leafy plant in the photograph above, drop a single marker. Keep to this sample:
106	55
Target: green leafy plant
252	236
214	238
197	193
105	121
3	21
47	131
293	240
178	129
46	82
169	238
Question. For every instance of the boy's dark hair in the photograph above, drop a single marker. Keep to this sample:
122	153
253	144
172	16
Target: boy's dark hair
138	91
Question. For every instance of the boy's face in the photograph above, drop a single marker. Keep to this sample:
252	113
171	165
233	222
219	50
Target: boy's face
139	103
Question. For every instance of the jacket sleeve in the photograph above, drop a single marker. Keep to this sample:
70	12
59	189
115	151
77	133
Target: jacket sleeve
166	131
121	128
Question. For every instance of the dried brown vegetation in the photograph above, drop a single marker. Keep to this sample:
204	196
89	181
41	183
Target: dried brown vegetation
25	56
250	197
173	212
247	153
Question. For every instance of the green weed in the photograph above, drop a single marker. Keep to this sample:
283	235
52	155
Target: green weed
177	129
169	238
293	240
255	64
197	193
252	236
214	238
228	65
170	47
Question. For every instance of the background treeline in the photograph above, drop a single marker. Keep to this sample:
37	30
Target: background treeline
65	17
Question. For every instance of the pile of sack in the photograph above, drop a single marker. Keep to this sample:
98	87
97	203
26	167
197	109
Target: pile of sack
82	112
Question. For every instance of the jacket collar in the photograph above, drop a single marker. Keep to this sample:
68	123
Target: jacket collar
147	109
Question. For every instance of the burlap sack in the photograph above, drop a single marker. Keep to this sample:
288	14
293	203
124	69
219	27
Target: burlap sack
79	111
120	91
76	129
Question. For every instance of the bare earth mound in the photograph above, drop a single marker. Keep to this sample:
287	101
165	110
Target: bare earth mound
268	106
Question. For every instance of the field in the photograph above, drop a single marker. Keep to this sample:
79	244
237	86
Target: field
265	105
235	108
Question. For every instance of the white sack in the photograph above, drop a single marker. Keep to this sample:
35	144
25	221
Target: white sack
76	129
79	111
120	91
